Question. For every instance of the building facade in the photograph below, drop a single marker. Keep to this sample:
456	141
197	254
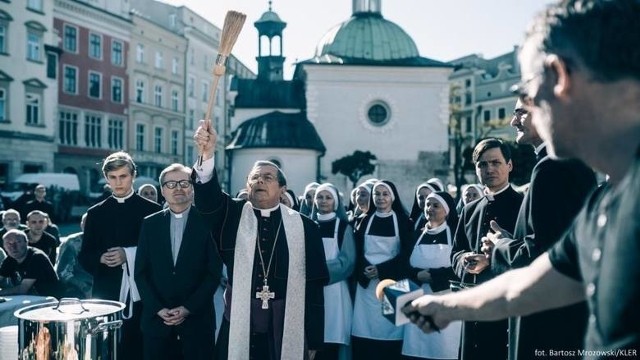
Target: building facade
93	87
28	87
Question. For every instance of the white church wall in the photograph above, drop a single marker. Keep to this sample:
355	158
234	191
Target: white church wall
338	98
299	165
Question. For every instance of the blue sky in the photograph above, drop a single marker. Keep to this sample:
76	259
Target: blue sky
442	29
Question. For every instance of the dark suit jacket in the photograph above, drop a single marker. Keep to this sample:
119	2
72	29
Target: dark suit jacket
557	192
191	282
223	216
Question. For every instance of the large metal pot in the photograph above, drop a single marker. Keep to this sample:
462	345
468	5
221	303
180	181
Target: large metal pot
69	329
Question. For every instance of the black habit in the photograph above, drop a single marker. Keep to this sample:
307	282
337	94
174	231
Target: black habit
223	214
483	340
557	192
191	283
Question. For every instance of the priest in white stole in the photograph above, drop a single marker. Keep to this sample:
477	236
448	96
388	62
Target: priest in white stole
277	255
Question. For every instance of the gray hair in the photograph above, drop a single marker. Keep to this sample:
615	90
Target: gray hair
282	179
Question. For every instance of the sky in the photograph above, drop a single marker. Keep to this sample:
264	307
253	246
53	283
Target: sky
442	29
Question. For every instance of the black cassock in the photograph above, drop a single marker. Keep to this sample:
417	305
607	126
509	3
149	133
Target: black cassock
224	213
557	192
113	224
487	339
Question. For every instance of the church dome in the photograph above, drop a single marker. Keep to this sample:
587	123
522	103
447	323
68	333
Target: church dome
367	36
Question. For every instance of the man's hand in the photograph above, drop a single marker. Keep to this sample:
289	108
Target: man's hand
498	232
425	312
475	263
205	139
487	246
371	272
175	316
114	256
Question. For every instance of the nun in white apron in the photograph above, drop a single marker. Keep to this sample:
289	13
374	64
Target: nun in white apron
383	243
339	250
430	261
422	191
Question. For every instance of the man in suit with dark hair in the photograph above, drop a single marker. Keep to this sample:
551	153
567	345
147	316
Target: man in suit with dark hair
557	192
177	272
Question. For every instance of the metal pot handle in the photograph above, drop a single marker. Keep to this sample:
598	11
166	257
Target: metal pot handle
109	325
71	301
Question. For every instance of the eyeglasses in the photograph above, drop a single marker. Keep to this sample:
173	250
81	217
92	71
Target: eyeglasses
521	89
171	184
267	178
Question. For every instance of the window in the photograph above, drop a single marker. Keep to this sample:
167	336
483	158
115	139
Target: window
70	42
3	37
174	66
158	60
95	46
157	140
501	113
116	52
115	134
52	65
116	90
174	100
191	120
191	84
139	91
486	115
94	85
3	104
205	91
157	96
34	5
68	134
469	124
93	131
139	53
70	81
34	45
189	155
378	114
33	102
174	142
140	137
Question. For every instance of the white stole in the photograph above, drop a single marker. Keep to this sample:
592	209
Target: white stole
244	253
128	283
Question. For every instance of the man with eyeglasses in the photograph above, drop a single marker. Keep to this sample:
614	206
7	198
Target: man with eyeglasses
557	192
277	255
110	241
492	159
585	105
177	272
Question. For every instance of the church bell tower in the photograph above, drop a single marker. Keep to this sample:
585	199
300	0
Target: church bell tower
270	59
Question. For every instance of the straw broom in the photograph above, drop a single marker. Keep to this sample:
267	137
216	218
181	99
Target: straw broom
233	23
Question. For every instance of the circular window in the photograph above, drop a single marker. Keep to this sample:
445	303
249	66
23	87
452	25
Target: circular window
378	114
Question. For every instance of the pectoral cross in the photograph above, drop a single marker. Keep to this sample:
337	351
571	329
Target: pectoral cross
265	295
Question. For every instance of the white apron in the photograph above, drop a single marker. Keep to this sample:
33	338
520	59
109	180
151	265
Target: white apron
442	345
368	321
338	310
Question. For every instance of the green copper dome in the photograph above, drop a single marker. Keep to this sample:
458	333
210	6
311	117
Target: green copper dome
367	36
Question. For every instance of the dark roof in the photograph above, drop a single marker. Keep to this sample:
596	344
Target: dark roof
277	130
253	93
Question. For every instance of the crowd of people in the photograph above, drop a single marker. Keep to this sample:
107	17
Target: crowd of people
506	274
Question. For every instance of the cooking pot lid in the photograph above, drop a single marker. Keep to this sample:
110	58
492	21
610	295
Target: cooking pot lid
65	310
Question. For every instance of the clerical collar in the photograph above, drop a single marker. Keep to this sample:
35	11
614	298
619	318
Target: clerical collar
180	215
121	200
436	230
539	148
267	212
490	196
326	217
384	214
